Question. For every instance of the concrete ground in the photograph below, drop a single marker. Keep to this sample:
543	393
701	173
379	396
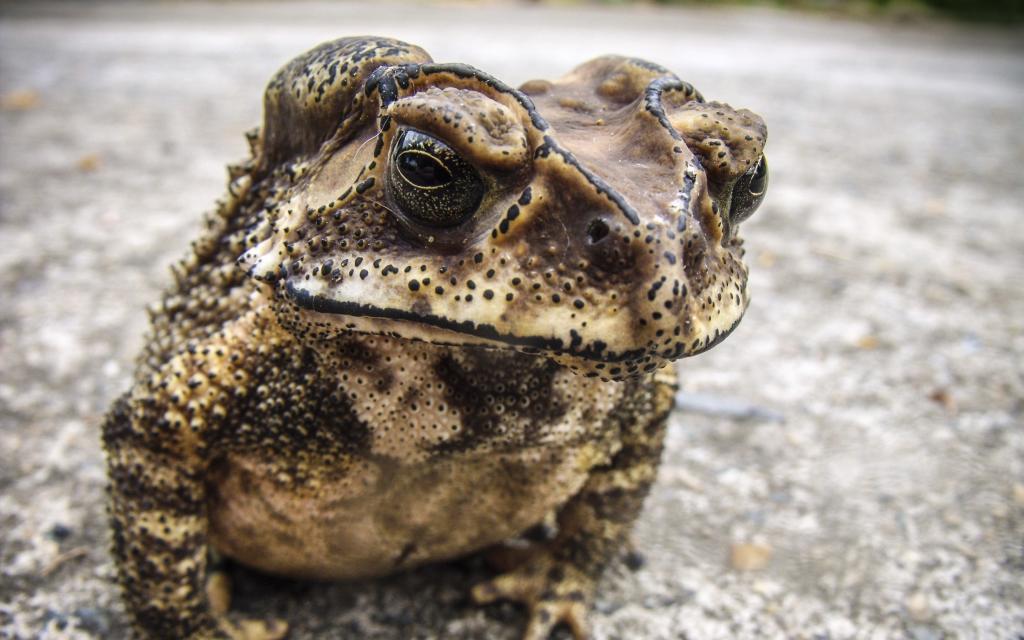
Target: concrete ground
849	464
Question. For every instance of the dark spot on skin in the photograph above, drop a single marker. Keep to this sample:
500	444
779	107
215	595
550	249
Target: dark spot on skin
476	376
597	231
364	185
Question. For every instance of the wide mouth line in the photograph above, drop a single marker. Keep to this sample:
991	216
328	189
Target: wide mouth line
321	304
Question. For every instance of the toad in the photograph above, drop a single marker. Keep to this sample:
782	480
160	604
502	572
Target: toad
431	312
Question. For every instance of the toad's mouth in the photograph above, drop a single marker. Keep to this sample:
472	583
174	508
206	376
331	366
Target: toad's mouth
485	334
444	330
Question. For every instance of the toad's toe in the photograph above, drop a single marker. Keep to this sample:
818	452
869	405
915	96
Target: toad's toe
555	593
252	629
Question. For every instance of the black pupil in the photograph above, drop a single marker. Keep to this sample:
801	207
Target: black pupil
423	170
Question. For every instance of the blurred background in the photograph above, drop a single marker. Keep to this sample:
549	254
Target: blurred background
995	11
848	464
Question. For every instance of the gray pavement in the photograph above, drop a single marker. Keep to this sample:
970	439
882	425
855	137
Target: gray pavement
849	464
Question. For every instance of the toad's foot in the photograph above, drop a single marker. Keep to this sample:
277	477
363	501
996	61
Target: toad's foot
218	593
554	591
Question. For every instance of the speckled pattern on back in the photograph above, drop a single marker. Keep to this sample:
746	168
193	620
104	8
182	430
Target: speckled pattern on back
346	380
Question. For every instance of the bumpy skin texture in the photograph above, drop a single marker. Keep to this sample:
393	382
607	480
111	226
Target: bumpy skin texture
337	386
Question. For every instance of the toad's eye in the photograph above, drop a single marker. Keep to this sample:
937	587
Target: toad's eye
749	190
430	182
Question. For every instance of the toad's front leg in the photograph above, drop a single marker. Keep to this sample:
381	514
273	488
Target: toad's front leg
557	581
159	440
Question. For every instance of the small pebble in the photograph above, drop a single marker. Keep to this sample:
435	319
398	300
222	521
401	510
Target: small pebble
89	163
917	607
94	620
21	100
745	556
59	532
945	398
868	343
1018	494
634	560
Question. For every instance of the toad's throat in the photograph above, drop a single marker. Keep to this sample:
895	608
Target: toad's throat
596	351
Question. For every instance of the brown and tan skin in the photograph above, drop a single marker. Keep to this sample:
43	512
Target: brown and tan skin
431	311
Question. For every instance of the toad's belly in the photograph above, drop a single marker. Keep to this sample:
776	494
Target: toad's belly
379	517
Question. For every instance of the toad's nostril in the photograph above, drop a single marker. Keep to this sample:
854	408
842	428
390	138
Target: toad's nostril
597	230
